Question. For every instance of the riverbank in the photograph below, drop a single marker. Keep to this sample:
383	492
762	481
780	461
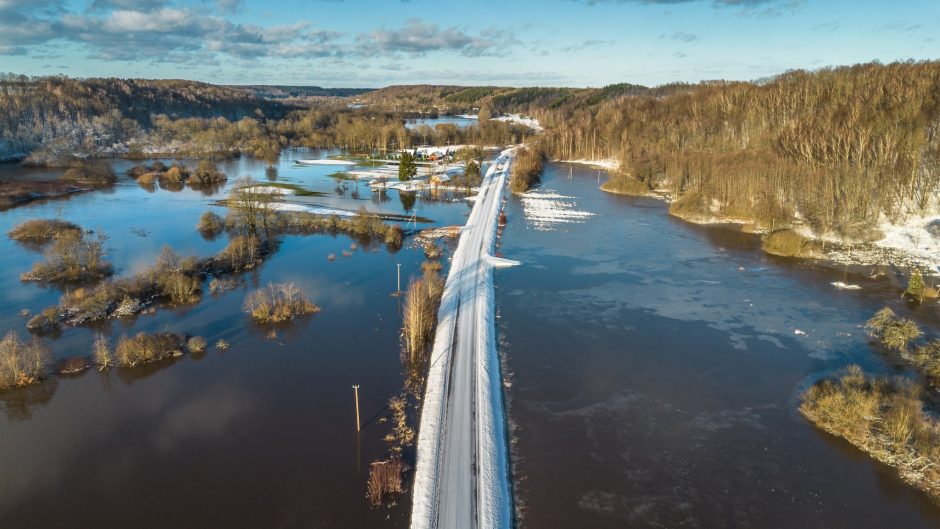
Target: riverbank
914	244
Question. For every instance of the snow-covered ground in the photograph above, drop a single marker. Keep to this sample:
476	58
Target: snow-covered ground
605	163
325	161
518	119
544	209
462	471
918	236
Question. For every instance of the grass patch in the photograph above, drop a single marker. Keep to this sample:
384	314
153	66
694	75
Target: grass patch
89	173
278	303
39	232
296	189
22	363
884	418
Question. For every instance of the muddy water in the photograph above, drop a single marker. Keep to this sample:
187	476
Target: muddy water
261	435
656	369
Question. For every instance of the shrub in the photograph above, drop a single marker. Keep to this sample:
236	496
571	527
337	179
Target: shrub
893	332
39	232
788	243
144	348
271	172
882	417
71	257
278	303
222	345
176	174
210	224
75	364
384	479
45	322
179	287
94	173
242	253
21	363
206	174
197	345
419	315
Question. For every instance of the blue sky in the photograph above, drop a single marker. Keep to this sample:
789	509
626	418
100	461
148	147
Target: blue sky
373	43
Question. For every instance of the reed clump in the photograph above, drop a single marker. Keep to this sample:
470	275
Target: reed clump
22	363
883	417
384	480
278	303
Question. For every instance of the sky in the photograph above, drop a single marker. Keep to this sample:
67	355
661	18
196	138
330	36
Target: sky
375	43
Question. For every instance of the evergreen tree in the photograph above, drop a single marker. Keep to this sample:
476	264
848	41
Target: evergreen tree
916	286
407	168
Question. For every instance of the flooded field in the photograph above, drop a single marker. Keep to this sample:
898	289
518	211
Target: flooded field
656	369
260	435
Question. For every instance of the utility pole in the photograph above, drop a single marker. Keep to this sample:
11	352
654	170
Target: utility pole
356	390
399	277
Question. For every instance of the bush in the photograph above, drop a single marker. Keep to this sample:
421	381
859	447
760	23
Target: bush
70	366
197	345
788	243
916	287
210	224
278	303
242	253
179	287
39	232
419	315
21	363
893	332
71	257
882	417
206	174
144	348
93	173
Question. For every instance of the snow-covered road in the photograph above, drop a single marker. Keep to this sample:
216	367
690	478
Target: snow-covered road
462	474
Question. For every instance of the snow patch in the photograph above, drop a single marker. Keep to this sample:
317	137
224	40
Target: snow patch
845	286
325	162
607	163
519	119
918	236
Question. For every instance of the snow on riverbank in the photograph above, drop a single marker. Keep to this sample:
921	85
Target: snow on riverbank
325	162
544	209
918	236
518	119
609	164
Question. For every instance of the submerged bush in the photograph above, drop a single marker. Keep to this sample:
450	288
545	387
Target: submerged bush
144	348
788	243
95	173
893	332
39	232
71	257
206	174
197	345
210	224
278	303
882	417
419	314
21	363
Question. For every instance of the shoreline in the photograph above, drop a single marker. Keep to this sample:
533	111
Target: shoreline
867	255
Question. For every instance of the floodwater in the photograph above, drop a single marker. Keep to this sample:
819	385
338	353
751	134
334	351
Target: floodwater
260	435
655	369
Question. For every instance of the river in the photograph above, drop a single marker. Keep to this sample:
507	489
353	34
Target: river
655	369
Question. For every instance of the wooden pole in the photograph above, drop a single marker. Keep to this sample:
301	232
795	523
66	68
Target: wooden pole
399	277
356	390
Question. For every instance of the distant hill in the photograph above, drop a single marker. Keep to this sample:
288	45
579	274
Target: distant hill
277	92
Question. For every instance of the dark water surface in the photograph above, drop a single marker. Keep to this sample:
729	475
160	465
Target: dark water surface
656	369
260	435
